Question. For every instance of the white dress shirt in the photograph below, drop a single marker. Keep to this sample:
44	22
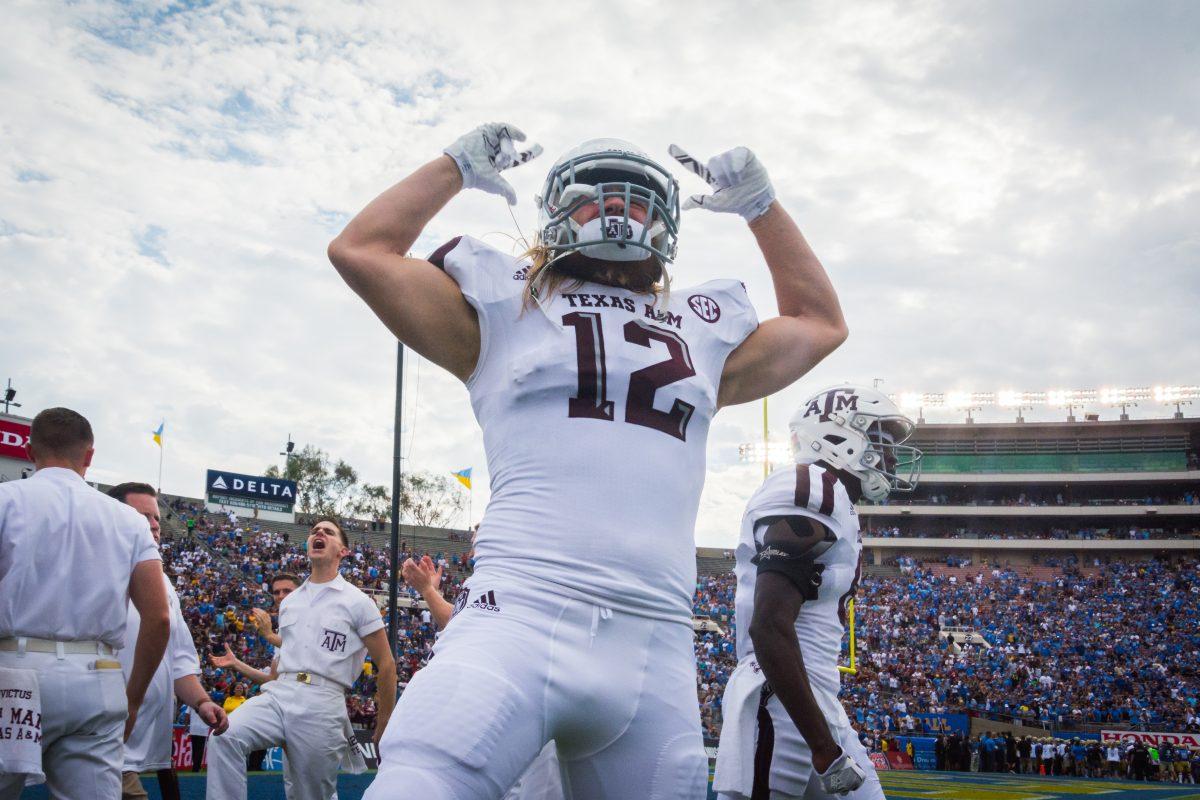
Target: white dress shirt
322	626
66	554
149	744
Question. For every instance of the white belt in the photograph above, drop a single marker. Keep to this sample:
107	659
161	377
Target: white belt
31	644
311	679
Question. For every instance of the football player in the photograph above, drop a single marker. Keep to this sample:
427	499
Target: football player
785	735
594	387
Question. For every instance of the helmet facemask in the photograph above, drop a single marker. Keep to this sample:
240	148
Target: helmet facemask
598	177
889	464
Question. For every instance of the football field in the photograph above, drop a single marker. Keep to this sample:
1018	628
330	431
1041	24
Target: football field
973	786
897	784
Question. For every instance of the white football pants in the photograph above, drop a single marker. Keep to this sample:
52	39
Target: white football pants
517	667
310	719
83	723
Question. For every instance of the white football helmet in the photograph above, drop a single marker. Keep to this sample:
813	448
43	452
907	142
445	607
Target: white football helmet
595	171
862	432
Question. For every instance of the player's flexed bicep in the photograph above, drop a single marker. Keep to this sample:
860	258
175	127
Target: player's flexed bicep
810	325
419	303
422	306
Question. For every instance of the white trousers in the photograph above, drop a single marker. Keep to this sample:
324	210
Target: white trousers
309	719
83	722
518	667
792	777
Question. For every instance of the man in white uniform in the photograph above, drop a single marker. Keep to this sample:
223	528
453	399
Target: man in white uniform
785	735
327	626
71	559
595	388
150	744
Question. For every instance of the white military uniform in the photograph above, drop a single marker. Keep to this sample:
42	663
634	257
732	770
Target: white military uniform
150	743
757	734
576	625
66	555
322	626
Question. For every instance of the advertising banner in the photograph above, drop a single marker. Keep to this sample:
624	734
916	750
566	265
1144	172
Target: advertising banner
943	723
366	745
924	755
250	491
899	760
13	438
1152	737
181	748
880	761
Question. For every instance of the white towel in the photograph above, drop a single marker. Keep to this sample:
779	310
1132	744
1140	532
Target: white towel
739	711
352	757
21	724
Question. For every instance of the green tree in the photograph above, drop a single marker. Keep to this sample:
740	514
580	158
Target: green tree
429	499
323	486
326	486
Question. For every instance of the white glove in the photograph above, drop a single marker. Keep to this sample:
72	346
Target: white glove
843	775
485	152
739	181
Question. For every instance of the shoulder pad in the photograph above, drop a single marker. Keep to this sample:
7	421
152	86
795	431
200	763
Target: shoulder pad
482	272
816	489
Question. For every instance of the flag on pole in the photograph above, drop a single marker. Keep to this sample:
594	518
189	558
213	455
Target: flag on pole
464	476
159	433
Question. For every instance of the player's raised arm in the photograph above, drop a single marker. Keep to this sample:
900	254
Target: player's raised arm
810	325
418	302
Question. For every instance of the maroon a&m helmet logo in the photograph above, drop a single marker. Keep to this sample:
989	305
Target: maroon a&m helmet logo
705	307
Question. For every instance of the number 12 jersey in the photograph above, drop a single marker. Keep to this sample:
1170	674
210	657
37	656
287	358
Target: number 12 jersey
595	406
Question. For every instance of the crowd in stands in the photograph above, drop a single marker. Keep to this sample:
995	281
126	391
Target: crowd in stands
921	530
1040	498
1073	757
1116	645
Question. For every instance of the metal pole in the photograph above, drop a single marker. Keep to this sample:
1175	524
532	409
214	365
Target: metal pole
395	564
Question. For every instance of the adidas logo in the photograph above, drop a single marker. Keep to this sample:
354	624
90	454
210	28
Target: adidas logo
486	602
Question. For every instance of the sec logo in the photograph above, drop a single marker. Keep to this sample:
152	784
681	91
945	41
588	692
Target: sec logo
705	307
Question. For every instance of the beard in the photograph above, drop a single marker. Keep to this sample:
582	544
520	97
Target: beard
637	276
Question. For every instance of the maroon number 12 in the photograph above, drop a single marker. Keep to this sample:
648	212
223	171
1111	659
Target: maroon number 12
591	401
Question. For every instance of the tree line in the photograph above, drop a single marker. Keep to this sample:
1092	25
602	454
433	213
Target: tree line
326	486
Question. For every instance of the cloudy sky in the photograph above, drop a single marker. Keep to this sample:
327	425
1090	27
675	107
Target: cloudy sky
1006	195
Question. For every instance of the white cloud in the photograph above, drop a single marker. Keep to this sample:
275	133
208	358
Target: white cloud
1004	195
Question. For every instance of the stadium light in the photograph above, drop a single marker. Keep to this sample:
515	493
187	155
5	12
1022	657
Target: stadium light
287	453
10	397
1069	399
1175	394
775	452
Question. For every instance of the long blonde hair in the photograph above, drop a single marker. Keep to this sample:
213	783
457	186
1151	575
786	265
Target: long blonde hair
543	280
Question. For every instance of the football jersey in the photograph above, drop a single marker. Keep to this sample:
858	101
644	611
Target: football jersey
806	490
595	406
